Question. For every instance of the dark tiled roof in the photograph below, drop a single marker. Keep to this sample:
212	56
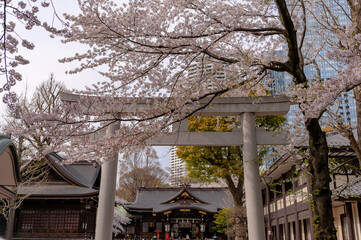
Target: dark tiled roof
157	199
79	179
339	147
352	190
82	174
58	191
334	139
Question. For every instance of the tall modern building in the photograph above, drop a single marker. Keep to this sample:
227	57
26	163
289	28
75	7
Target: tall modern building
177	168
345	105
209	74
276	82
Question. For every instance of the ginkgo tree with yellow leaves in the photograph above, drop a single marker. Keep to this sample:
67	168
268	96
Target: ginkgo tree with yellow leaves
212	164
209	163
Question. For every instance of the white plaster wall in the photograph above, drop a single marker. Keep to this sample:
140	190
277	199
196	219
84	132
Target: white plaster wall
356	221
337	211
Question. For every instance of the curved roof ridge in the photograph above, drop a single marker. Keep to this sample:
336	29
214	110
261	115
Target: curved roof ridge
176	207
180	193
69	173
6	142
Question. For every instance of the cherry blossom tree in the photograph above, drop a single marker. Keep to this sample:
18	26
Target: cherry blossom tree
119	219
177	56
30	145
15	16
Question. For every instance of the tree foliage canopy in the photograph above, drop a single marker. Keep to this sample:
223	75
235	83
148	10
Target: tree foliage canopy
139	170
33	144
211	163
207	163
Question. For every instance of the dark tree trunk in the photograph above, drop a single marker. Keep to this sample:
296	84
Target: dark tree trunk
10	224
319	182
237	194
236	191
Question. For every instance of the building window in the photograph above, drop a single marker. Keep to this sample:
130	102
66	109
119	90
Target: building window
306	229
194	230
282	231
211	227
145	227
159	226
49	221
176	230
129	229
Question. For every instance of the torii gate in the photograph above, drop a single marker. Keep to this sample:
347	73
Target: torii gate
248	137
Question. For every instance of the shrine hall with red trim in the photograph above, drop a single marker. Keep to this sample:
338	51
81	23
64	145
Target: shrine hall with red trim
175	212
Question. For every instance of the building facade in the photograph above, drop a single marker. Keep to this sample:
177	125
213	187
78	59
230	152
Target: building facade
286	196
345	106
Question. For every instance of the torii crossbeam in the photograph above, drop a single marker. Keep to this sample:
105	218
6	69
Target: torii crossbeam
247	136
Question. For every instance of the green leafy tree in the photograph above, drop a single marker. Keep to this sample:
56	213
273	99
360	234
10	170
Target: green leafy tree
232	221
221	220
213	164
207	163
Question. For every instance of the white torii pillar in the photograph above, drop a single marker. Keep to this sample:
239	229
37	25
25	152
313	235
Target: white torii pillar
105	212
254	206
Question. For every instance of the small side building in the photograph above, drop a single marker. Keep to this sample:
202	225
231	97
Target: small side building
170	213
9	170
62	207
286	195
9	173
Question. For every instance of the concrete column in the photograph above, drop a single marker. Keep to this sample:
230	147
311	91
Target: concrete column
255	217
276	215
287	229
269	225
105	214
297	221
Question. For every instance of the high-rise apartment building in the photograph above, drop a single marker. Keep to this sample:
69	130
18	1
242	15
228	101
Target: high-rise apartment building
177	168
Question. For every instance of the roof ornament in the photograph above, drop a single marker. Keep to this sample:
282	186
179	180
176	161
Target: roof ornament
184	183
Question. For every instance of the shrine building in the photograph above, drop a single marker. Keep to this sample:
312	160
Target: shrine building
62	207
169	213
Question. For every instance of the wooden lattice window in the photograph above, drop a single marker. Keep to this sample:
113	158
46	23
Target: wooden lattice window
49	221
129	229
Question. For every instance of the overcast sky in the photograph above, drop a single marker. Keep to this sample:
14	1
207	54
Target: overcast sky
44	61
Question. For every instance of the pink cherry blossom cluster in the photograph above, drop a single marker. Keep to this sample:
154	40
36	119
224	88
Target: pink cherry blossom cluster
148	50
14	15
